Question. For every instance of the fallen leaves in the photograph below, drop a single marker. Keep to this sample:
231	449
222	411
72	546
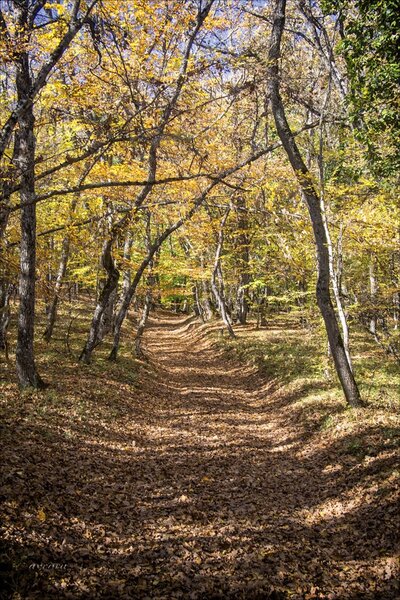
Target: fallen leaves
41	515
202	483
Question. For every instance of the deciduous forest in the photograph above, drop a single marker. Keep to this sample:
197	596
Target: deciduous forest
199	299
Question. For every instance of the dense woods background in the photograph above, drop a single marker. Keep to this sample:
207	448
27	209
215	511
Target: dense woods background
225	159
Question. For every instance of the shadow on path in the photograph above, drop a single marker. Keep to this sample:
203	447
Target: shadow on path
201	482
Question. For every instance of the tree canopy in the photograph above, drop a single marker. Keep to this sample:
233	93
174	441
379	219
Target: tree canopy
193	141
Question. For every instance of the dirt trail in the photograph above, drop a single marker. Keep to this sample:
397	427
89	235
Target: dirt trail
252	504
199	482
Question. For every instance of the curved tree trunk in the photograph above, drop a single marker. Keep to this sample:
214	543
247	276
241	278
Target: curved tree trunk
103	301
131	290
52	309
324	301
217	277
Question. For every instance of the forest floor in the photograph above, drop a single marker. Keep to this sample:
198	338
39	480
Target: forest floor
199	475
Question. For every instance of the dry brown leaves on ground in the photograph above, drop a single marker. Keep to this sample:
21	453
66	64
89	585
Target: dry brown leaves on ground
199	480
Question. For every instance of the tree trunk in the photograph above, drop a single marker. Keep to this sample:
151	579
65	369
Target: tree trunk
335	277
141	326
206	303
103	301
25	359
373	290
107	318
217	275
261	309
394	270
126	281
197	306
5	293
153	248
336	273
244	260
52	309
312	200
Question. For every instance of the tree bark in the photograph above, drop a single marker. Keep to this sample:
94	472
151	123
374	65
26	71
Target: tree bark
335	277
142	324
126	280
25	360
130	292
52	309
5	292
335	272
310	195
244	260
217	276
103	301
373	290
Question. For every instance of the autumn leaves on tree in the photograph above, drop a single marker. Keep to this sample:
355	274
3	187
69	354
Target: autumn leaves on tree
210	154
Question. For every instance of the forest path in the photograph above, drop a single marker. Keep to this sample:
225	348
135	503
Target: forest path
190	477
251	502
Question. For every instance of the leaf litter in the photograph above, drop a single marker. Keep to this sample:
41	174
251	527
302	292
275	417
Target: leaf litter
202	480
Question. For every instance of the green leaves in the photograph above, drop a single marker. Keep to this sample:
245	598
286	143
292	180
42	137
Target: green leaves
370	48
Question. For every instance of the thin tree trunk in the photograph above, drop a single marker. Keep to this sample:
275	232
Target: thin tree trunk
335	273
342	366
244	260
137	346
130	292
261	309
197	306
142	324
335	278
5	293
126	281
52	308
373	289
103	301
394	270
217	275
25	359
205	302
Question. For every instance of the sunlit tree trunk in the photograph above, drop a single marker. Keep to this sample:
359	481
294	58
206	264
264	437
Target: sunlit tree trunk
310	195
335	277
137	346
394	270
217	280
52	308
373	290
126	280
244	260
